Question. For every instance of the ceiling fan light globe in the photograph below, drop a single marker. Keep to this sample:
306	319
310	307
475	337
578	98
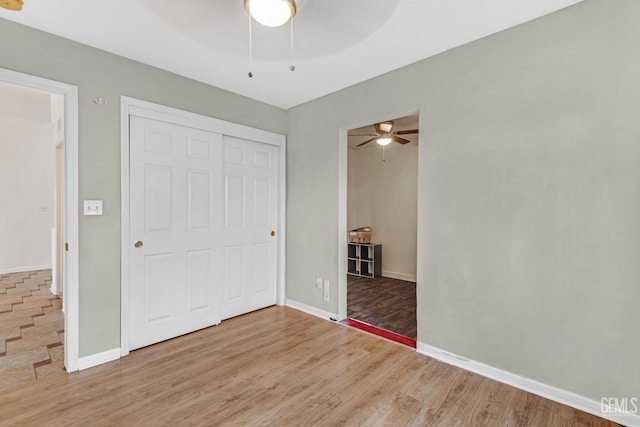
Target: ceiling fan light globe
271	13
384	141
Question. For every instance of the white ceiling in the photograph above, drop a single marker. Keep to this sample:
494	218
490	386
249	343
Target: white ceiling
338	43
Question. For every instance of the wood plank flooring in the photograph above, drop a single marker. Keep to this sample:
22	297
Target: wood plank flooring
383	302
279	367
31	328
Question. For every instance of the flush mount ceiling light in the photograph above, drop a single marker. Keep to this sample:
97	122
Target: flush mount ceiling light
11	4
270	13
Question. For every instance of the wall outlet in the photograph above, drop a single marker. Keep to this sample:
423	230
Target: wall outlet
319	282
326	291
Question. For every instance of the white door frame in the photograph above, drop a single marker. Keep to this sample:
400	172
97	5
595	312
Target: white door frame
131	106
343	153
71	263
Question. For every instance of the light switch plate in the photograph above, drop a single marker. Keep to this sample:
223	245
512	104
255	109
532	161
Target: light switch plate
93	207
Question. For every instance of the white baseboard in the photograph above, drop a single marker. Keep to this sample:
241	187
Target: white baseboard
544	390
399	276
23	269
311	310
98	359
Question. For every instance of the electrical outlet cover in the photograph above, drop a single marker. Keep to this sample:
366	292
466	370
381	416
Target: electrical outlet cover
93	207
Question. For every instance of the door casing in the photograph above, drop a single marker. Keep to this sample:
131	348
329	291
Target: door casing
343	150
71	261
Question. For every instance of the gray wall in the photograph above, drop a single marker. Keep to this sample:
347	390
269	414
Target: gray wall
97	73
529	186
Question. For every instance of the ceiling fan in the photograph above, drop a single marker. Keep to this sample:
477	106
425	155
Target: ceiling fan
11	4
384	134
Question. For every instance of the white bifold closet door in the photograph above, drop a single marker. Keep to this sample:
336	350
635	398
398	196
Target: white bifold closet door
202	210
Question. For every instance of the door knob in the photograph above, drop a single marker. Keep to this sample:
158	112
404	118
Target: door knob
273	233
138	244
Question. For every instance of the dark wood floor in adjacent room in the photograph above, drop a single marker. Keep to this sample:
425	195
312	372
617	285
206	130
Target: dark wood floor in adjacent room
383	302
281	367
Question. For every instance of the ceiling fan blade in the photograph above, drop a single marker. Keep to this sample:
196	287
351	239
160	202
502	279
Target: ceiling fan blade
407	132
367	141
400	140
363	134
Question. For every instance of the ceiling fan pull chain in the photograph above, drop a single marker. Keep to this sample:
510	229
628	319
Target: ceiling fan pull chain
384	160
250	50
292	67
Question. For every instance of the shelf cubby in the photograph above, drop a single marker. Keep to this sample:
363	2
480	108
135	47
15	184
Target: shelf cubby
364	260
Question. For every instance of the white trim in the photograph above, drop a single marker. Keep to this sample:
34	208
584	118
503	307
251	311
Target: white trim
343	156
24	269
71	262
326	315
54	246
71	293
544	390
98	359
399	276
125	253
150	110
281	293
135	107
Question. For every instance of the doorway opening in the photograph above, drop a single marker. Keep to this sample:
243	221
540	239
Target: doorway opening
382	179
32	182
39	265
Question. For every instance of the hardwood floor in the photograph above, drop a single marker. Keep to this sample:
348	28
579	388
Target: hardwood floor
383	302
279	367
31	328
